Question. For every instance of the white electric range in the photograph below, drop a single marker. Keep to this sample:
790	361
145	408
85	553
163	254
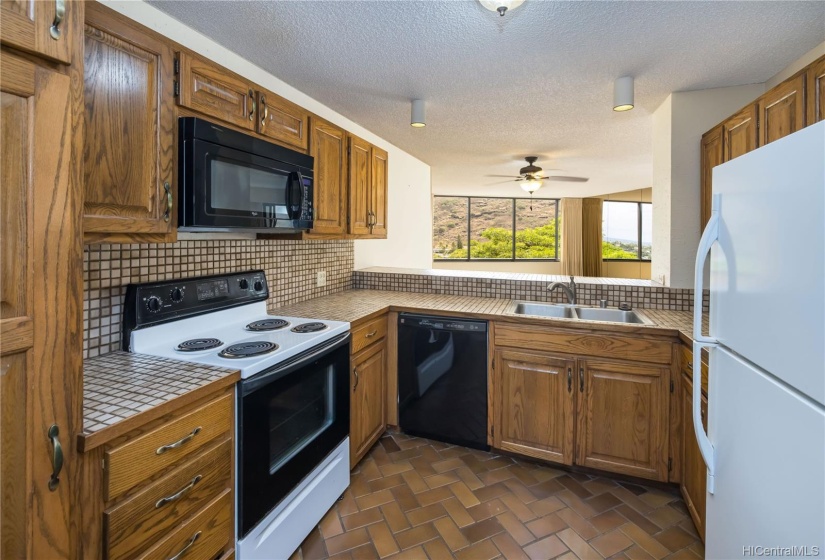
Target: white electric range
292	406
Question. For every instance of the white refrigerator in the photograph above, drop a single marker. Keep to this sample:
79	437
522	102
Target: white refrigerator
765	441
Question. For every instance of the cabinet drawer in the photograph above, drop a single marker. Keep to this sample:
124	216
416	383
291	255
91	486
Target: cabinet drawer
370	332
687	367
587	343
204	536
140	458
130	526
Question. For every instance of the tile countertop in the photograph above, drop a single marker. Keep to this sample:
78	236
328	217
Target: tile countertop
356	305
122	391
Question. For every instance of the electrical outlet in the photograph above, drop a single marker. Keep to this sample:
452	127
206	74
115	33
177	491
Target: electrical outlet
321	278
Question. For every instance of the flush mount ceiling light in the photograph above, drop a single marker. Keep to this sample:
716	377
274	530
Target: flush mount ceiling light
417	119
501	6
623	94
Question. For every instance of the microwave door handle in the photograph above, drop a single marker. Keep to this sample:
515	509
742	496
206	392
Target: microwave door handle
295	215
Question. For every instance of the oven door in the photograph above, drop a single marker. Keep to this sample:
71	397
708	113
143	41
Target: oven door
290	418
236	189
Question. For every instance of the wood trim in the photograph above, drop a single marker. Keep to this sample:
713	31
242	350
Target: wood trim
532	337
675	414
392	368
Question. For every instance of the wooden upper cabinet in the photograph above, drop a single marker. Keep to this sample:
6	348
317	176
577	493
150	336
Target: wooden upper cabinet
535	405
694	471
129	153
815	87
283	121
782	110
359	186
41	27
212	90
328	146
368	399
739	133
623	418
712	155
378	192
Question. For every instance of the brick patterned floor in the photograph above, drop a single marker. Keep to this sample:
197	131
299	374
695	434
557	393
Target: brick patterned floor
417	498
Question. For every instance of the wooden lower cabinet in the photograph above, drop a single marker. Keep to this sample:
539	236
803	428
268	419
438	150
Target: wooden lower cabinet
623	418
535	404
164	486
368	416
591	411
694	473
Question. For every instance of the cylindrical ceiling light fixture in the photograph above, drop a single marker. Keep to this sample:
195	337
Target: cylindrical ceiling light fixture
623	94
417	119
501	6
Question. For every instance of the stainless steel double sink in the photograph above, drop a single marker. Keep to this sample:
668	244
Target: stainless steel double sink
580	313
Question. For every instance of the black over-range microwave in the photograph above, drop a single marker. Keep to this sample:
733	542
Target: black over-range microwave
231	181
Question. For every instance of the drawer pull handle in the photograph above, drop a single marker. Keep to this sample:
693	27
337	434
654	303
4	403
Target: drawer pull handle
177	495
164	448
254	105
581	380
189	543
168	213
355	371
370	335
57	457
569	380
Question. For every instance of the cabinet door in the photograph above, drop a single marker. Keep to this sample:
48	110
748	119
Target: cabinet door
207	88
815	85
782	110
535	395
42	27
367	403
378	192
130	127
623	418
359	185
739	133
283	121
712	155
694	472
328	145
40	309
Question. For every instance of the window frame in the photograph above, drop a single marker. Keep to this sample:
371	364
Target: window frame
513	200
638	232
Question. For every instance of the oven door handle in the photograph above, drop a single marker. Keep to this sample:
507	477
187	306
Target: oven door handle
268	376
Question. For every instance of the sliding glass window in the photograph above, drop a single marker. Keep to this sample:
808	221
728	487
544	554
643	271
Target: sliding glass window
495	229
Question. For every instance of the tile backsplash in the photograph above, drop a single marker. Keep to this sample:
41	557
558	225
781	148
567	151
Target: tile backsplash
290	267
531	287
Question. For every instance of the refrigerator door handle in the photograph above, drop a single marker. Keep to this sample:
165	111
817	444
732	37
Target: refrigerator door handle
709	237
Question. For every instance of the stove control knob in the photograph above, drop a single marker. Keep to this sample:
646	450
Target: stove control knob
176	295
258	286
153	304
243	283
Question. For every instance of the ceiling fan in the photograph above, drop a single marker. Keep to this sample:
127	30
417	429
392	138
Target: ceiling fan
533	176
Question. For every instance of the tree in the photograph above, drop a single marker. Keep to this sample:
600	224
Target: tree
531	243
458	243
616	251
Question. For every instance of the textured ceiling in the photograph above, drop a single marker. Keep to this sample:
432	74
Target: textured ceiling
537	81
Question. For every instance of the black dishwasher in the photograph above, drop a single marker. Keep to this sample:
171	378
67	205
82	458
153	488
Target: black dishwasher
442	379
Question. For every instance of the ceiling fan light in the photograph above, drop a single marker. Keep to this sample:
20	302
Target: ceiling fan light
417	119
501	6
531	185
623	94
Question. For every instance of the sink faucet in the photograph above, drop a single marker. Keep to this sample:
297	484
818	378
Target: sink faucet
569	289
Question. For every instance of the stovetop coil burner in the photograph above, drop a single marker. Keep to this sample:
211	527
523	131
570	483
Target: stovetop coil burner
198	344
248	349
309	328
267	325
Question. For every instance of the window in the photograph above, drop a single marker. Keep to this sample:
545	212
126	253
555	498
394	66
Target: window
627	231
486	228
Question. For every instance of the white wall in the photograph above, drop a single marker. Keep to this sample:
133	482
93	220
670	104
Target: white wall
678	125
409	238
796	66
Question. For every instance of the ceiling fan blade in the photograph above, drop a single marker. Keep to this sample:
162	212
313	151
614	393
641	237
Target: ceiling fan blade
503	176
562	178
498	183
